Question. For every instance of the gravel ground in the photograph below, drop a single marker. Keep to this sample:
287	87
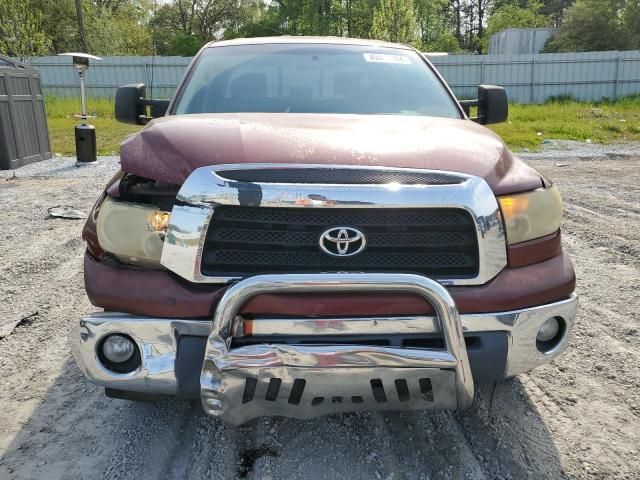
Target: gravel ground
65	167
578	417
567	149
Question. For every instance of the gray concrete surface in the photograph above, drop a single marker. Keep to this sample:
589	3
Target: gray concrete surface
578	417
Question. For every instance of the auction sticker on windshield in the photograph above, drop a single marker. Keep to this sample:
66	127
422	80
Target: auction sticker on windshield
386	58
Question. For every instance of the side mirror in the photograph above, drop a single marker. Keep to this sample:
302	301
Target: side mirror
131	105
492	104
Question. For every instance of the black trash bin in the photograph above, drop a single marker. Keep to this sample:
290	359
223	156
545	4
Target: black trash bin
24	137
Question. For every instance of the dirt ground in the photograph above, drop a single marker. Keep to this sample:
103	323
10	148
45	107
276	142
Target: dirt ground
578	417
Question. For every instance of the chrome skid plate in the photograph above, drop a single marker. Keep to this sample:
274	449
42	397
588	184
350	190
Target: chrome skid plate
302	381
303	393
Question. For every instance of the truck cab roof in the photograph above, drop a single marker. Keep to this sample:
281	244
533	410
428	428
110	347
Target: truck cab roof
292	39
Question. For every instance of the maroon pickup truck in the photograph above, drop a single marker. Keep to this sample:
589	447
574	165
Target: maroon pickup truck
317	225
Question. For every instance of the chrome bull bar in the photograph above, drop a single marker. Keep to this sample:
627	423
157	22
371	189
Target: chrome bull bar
304	381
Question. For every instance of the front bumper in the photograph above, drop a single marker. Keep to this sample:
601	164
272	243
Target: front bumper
238	383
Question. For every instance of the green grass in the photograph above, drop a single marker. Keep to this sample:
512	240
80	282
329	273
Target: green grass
61	122
605	122
560	119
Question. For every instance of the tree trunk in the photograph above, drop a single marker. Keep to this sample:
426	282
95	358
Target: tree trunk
457	19
481	11
80	17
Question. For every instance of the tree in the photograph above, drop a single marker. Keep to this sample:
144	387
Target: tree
394	21
123	31
456	7
183	26
21	32
513	16
345	18
111	6
212	16
59	24
434	23
556	10
468	19
353	18
481	8
593	25
510	16
111	27
632	20
80	19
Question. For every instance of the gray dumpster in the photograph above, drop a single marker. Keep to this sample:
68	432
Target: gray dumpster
24	137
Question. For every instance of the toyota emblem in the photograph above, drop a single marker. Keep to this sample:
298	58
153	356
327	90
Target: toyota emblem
342	241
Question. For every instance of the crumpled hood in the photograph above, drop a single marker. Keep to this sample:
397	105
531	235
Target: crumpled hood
168	149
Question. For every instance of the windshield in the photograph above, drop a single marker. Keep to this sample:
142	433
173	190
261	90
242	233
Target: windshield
298	78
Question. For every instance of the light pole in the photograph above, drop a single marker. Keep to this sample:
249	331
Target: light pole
86	148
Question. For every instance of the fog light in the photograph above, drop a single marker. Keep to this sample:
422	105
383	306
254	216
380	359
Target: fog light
549	330
118	348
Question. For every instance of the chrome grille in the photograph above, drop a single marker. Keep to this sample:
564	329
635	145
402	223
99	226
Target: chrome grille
439	242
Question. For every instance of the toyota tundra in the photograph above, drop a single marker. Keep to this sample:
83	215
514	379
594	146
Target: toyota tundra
317	225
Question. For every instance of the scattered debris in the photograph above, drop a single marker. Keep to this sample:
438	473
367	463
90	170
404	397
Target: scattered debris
8	328
60	211
12	177
558	164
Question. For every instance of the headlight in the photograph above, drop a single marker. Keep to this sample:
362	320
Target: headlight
531	215
133	233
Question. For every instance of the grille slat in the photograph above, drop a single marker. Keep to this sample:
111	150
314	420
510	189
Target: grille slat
289	238
243	241
340	176
296	216
304	259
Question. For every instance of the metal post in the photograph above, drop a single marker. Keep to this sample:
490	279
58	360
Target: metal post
82	98
615	85
86	148
533	81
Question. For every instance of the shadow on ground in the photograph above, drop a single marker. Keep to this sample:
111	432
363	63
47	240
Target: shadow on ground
76	432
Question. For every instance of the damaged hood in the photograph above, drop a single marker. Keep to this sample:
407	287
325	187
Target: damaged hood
168	149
